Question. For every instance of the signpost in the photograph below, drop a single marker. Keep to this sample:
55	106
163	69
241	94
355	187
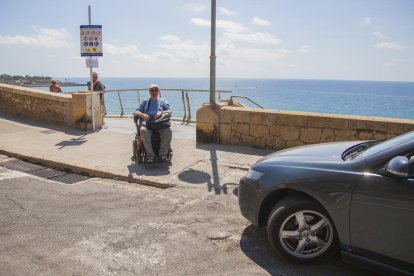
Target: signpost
92	62
91	40
91	46
213	56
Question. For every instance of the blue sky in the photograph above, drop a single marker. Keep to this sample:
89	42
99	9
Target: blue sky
299	39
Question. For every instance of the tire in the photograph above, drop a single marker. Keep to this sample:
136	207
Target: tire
140	156
170	154
134	148
312	240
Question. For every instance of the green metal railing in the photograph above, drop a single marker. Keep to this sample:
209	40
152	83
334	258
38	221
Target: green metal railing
185	98
246	98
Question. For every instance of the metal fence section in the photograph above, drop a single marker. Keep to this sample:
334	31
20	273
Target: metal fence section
246	98
122	102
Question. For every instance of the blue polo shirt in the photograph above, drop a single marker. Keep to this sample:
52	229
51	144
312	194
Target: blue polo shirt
155	106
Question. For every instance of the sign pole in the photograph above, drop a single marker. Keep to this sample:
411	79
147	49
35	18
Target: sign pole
91	79
213	56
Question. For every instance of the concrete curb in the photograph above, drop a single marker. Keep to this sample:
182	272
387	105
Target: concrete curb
153	181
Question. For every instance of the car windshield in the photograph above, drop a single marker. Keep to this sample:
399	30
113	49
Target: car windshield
377	146
356	150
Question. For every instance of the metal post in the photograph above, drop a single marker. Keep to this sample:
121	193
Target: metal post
120	103
188	106
91	77
138	97
184	110
213	56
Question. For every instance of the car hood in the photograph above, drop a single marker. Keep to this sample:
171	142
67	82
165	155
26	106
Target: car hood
328	152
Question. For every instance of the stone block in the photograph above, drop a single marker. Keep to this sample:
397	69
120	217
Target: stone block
82	111
321	121
241	128
344	133
391	135
242	116
258	131
310	135
289	133
268	141
327	135
274	130
227	116
207	115
292	144
373	124
207	127
235	138
205	133
365	135
289	119
339	122
246	140
380	136
260	142
400	127
341	139
259	117
278	143
225	133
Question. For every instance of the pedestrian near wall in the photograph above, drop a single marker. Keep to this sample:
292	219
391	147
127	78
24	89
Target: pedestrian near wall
97	85
54	87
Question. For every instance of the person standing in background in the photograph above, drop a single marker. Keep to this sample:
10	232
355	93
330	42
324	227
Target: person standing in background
54	87
97	85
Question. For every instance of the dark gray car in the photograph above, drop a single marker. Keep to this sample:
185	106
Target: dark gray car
356	197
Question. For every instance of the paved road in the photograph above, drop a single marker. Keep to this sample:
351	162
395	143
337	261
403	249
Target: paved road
106	227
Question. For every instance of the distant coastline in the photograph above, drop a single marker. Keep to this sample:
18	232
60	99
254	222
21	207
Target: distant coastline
33	81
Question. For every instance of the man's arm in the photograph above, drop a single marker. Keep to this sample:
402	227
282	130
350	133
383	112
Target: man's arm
101	85
166	108
140	111
143	116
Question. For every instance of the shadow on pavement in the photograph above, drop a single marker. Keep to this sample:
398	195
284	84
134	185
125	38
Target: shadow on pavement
199	177
156	169
236	191
254	244
194	176
52	128
234	148
72	142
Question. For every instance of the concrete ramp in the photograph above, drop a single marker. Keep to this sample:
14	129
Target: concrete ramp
107	153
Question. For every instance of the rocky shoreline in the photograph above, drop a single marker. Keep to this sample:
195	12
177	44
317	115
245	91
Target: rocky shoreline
33	81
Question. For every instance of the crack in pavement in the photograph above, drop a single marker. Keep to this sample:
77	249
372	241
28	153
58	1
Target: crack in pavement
14	202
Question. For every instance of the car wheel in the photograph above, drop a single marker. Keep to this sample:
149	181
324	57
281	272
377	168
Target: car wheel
301	230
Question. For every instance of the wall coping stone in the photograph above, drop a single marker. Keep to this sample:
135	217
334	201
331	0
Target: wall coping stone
27	91
315	114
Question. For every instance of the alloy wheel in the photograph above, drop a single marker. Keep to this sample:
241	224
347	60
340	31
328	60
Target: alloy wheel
306	234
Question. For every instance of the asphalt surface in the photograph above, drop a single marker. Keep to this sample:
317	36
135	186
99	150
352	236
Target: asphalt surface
107	227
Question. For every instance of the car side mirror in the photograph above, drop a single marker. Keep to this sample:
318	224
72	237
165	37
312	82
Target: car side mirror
398	166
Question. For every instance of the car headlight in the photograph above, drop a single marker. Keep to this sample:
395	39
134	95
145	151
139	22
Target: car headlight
254	175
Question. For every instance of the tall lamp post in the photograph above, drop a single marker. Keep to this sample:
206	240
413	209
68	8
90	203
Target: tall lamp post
213	56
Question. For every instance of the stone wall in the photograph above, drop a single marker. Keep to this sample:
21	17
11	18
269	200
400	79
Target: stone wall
275	129
36	104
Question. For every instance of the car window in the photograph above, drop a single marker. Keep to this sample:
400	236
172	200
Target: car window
399	140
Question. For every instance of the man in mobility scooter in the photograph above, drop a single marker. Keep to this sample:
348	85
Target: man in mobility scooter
153	129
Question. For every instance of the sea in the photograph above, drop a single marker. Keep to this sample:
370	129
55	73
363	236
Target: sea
364	98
